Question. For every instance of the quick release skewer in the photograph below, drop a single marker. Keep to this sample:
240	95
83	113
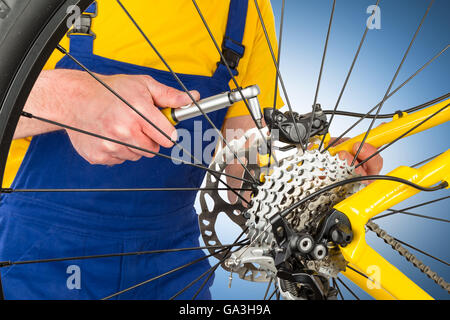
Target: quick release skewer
217	102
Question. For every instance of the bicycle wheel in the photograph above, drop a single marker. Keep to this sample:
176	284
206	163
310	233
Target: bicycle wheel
296	232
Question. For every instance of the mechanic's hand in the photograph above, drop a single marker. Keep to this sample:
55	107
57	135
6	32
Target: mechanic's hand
97	110
371	167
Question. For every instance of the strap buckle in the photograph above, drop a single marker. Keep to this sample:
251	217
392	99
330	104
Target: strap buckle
83	23
232	52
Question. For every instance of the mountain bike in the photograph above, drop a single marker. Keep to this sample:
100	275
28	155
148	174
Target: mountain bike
304	212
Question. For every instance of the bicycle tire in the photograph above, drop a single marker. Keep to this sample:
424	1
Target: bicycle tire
30	32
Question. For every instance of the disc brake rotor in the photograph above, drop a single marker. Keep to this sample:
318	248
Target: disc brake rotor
213	203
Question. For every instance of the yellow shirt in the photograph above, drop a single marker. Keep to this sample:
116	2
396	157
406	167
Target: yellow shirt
177	31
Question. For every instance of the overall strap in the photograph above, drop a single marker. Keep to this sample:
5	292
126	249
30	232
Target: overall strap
81	36
232	48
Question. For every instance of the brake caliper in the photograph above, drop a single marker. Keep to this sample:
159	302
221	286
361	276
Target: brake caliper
288	124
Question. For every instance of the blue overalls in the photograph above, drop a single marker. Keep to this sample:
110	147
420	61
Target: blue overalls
55	225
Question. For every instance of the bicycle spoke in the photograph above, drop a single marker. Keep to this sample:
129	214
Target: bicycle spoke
65	52
368	114
238	87
419	215
409	208
236	243
31	116
316	96
268	288
347	78
112	255
335	284
162	275
273	293
217	265
425	161
360	273
401	136
349	290
392	83
283	87
280	42
275	95
185	89
210	271
294	206
423	252
6	190
207	279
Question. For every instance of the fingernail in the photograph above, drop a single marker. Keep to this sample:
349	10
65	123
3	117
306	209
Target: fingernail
174	135
195	94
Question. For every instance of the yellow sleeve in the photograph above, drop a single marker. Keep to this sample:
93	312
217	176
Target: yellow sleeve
16	154
19	147
260	68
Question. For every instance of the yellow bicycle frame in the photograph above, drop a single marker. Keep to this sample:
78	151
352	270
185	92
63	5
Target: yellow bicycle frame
386	281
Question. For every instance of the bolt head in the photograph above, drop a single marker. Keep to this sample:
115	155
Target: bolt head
280	231
319	252
305	244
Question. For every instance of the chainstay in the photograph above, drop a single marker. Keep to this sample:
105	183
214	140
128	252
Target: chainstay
397	246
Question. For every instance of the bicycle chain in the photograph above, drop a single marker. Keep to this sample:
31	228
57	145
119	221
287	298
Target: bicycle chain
397	246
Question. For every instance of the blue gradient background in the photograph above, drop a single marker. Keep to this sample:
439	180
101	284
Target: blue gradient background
306	23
